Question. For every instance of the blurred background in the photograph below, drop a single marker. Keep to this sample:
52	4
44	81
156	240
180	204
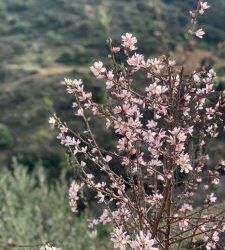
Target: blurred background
43	41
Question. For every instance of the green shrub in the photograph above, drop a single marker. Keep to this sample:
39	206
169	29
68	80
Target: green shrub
6	138
33	213
221	71
75	55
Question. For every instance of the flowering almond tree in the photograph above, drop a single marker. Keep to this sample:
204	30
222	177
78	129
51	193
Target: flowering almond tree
160	154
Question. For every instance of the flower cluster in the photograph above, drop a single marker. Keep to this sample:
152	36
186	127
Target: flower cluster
202	7
159	162
49	247
142	241
73	195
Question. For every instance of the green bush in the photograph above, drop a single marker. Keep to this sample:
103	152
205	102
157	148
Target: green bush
74	55
33	213
221	71
6	138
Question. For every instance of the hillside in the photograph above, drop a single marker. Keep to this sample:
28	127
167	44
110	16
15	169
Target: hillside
43	41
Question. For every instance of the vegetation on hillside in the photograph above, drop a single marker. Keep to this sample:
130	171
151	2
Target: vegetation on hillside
43	41
34	213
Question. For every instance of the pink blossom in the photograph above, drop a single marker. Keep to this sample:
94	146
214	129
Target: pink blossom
211	198
109	82
203	7
183	224
184	162
108	158
155	64
120	239
197	77
117	109
136	60
156	89
52	121
49	247
155	200
200	33
129	41
105	218
211	242
73	195
143	242
80	112
186	207
126	161
98	70
215	181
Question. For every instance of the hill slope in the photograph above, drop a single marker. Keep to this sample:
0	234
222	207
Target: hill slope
43	41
